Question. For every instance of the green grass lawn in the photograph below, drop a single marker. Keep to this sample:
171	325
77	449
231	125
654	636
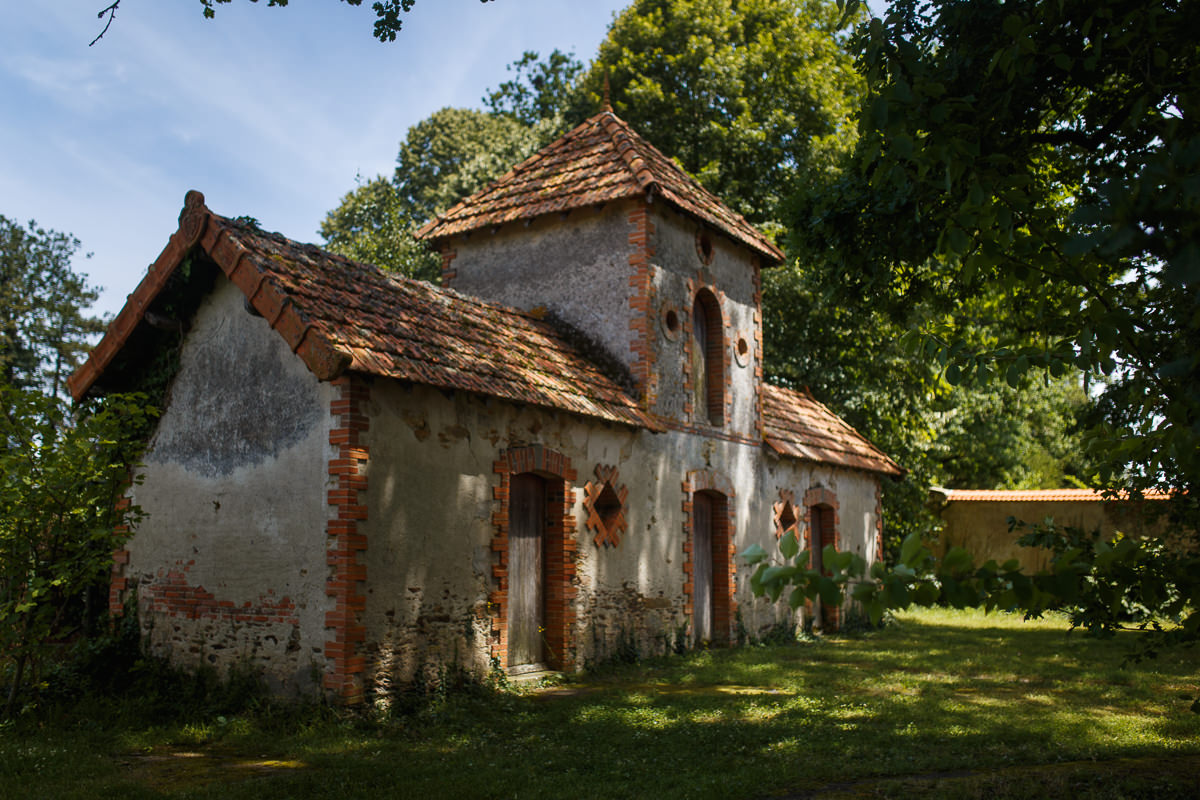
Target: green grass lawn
939	704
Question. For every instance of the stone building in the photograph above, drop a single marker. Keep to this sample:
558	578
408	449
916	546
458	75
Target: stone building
557	454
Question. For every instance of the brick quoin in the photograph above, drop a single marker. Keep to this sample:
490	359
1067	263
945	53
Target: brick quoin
641	301
345	541
724	561
560	552
118	582
449	273
758	349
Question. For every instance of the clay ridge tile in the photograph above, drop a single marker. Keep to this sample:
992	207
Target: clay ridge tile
600	160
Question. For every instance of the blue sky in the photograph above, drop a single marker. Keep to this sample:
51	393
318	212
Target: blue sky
271	112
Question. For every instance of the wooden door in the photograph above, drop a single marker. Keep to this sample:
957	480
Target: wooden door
823	534
702	566
526	580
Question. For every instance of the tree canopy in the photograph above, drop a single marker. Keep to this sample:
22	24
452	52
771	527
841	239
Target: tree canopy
755	98
1045	153
1028	172
388	21
44	330
62	468
447	156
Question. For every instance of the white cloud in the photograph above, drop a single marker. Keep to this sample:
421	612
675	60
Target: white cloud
271	112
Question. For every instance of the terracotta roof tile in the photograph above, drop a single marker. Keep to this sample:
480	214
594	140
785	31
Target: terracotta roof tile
600	160
1034	495
796	425
339	314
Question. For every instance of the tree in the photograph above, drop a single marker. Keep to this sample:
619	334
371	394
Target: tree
455	152
43	330
540	90
59	518
370	226
754	98
1038	159
1044	152
447	156
62	470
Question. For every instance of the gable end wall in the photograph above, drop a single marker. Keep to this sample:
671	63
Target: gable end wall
229	563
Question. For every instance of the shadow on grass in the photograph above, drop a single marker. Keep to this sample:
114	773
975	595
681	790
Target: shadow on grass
869	714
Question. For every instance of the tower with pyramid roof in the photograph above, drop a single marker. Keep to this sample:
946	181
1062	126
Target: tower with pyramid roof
603	232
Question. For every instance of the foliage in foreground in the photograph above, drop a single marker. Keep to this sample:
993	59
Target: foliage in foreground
1022	706
1101	586
1045	154
59	520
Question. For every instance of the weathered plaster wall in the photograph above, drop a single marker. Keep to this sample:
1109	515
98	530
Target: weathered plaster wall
679	273
431	520
230	563
576	266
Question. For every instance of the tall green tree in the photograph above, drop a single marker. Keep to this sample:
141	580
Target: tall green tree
540	89
1044	153
59	519
444	158
1039	160
755	98
457	151
370	225
44	330
62	468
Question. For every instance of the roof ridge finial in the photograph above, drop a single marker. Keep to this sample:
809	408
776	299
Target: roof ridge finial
607	94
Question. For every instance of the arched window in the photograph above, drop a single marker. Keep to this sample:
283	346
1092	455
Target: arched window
708	360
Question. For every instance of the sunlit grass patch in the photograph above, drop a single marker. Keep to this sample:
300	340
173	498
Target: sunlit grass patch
934	693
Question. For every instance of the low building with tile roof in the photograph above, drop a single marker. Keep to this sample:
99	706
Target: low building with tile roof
555	454
982	520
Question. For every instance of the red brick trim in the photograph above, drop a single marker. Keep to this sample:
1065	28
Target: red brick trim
817	498
118	582
347	574
449	273
724	562
560	552
608	532
641	304
758	349
703	282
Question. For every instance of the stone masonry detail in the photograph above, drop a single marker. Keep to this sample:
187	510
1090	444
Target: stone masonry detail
347	575
641	304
